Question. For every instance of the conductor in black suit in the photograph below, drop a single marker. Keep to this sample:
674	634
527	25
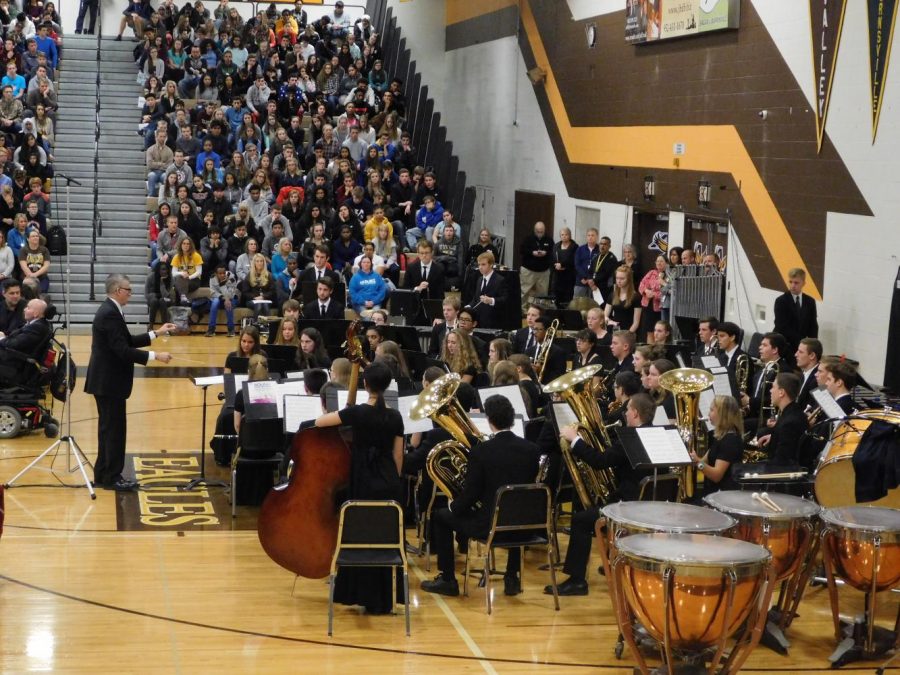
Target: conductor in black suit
504	460
490	294
324	307
24	341
110	377
795	311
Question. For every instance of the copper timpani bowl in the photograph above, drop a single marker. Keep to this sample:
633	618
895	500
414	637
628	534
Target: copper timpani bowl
787	534
863	543
690	591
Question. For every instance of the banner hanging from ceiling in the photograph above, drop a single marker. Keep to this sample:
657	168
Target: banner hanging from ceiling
882	18
826	21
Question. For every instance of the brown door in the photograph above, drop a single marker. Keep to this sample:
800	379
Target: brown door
531	207
649	233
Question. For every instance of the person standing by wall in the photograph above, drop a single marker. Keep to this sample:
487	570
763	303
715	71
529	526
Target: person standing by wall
536	251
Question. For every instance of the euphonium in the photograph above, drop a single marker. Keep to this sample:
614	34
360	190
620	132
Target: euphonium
540	359
447	461
593	487
686	385
742	373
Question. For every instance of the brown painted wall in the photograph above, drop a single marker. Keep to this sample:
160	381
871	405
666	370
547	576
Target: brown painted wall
716	79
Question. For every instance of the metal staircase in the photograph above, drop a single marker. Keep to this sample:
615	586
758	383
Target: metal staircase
122	246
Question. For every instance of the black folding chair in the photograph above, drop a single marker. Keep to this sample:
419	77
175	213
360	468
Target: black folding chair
370	534
260	444
522	517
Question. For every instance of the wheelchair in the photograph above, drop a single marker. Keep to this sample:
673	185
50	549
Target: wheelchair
26	401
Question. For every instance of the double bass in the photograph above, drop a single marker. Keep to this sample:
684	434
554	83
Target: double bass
298	521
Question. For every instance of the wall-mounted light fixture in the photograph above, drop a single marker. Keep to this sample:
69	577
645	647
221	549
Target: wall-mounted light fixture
704	193
590	34
649	188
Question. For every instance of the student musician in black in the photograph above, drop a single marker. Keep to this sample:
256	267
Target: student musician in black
727	446
376	460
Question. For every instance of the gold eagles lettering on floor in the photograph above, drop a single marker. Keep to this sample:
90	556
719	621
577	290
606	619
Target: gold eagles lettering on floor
162	502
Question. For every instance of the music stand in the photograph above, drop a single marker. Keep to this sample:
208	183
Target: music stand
643	455
404	303
204	383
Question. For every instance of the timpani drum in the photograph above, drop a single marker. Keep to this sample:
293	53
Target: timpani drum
787	534
626	518
692	592
861	544
835	479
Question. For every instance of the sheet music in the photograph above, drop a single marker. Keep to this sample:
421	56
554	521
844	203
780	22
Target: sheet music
262	391
512	393
660	417
721	381
705	403
299	409
564	415
411	426
829	406
710	362
342	398
294	375
291	388
481	423
663	446
209	381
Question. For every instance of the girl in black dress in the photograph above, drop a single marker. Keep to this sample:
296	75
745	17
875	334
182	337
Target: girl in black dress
727	447
623	311
376	460
662	397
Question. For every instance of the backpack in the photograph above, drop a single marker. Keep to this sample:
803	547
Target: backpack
57	243
62	379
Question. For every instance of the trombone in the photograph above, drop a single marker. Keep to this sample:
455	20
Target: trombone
540	358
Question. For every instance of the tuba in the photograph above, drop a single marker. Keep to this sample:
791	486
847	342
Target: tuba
686	385
447	461
540	359
593	487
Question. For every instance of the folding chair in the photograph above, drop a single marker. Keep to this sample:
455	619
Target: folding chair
260	444
522	517
370	534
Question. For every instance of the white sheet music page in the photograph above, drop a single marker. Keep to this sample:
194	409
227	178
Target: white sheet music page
564	414
721	382
660	447
262	391
209	381
410	426
512	393
829	406
710	362
660	418
705	403
299	409
291	388
481	423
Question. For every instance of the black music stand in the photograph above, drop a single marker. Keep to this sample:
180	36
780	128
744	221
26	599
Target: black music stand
638	456
202	479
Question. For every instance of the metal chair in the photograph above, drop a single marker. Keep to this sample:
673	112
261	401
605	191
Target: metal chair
668	488
260	444
522	517
370	534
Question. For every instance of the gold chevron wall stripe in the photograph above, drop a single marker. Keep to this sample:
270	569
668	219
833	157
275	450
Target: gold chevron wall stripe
708	148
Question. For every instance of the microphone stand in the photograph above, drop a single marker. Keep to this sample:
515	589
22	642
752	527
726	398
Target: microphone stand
73	452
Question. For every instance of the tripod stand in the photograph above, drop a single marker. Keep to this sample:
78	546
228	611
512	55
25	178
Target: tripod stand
73	452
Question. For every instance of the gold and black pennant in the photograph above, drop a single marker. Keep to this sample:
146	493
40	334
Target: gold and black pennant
882	19
826	21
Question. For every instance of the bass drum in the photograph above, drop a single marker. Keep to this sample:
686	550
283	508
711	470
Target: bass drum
835	483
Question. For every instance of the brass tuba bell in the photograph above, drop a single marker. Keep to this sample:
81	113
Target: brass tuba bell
686	385
447	461
593	487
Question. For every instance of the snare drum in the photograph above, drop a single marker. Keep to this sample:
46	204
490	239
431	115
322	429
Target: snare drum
862	544
692	591
787	534
835	477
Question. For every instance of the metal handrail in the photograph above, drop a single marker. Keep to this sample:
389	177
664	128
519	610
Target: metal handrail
96	223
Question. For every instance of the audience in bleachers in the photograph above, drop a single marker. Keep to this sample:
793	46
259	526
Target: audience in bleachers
28	105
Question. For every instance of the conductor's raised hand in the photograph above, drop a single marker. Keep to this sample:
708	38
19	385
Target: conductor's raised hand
165	357
167	328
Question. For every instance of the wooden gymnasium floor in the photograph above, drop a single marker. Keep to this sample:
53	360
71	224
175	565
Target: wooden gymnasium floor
77	593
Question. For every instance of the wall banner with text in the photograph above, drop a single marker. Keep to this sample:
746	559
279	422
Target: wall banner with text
882	18
826	21
651	20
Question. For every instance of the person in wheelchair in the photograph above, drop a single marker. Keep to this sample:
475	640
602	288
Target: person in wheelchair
23	343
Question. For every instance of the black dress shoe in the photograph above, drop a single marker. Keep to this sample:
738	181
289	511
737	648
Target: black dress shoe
569	587
441	586
122	485
511	585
